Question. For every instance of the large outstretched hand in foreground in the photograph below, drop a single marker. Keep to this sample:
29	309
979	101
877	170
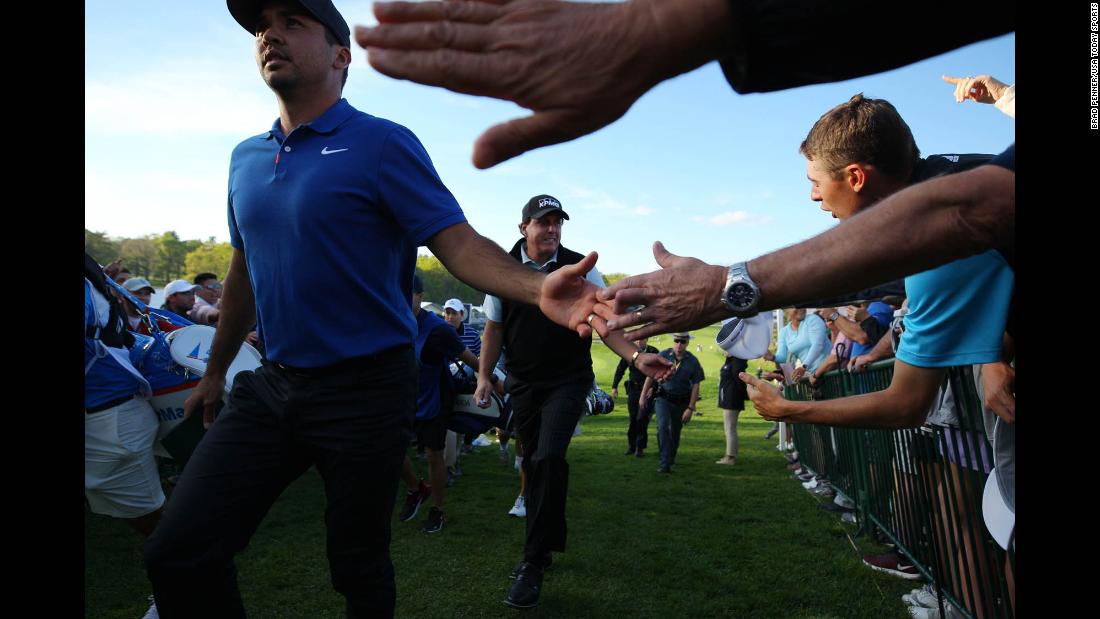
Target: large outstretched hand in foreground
684	295
578	66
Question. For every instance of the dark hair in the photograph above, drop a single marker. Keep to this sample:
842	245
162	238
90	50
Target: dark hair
331	39
202	277
862	131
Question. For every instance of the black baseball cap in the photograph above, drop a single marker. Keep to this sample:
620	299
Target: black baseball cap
540	205
246	11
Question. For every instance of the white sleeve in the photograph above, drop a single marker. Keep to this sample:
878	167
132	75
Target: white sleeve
595	277
493	309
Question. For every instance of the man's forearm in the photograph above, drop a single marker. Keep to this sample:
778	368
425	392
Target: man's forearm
871	410
618	344
481	263
694	396
883	349
236	316
470	359
829	363
851	329
904	404
921	227
491	339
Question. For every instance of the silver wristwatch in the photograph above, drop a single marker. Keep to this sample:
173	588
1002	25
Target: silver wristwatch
741	294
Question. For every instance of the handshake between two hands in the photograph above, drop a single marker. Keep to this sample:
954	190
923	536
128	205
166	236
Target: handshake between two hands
684	294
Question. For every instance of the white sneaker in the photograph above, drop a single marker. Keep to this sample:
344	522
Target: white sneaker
519	510
152	612
924	597
844	501
482	441
810	485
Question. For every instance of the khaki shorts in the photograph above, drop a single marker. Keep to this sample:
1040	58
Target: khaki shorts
120	472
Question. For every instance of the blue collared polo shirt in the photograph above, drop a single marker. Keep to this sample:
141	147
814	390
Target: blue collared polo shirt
329	218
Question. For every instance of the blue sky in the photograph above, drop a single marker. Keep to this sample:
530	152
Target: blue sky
171	88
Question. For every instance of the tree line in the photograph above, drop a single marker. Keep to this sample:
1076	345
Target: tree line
160	258
165	257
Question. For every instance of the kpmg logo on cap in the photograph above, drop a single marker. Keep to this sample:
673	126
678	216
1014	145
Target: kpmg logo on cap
549	202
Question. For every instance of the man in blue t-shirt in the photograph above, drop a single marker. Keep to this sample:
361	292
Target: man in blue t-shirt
330	200
858	153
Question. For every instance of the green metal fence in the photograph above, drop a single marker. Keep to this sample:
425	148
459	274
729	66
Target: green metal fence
921	488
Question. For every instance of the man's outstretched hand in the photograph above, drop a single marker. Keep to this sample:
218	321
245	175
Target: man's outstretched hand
654	366
578	66
684	295
569	299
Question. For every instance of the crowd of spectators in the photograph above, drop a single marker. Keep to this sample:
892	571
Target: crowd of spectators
860	155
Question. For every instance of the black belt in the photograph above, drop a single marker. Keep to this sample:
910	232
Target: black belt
106	405
347	365
676	399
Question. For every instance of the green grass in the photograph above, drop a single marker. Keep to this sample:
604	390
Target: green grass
706	541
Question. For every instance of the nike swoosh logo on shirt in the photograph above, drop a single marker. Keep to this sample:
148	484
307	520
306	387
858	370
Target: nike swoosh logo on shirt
326	151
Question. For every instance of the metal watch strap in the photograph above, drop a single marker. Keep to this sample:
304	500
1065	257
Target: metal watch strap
739	272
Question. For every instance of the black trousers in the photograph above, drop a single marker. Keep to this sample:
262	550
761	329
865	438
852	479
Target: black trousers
637	434
353	426
545	417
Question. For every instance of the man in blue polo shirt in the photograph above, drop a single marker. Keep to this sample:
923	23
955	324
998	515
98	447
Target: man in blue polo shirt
329	199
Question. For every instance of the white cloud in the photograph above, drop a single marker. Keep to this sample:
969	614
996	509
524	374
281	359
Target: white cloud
644	210
192	205
184	100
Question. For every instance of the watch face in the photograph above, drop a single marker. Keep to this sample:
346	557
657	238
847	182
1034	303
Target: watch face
741	295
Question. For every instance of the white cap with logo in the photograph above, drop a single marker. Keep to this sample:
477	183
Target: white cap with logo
178	286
